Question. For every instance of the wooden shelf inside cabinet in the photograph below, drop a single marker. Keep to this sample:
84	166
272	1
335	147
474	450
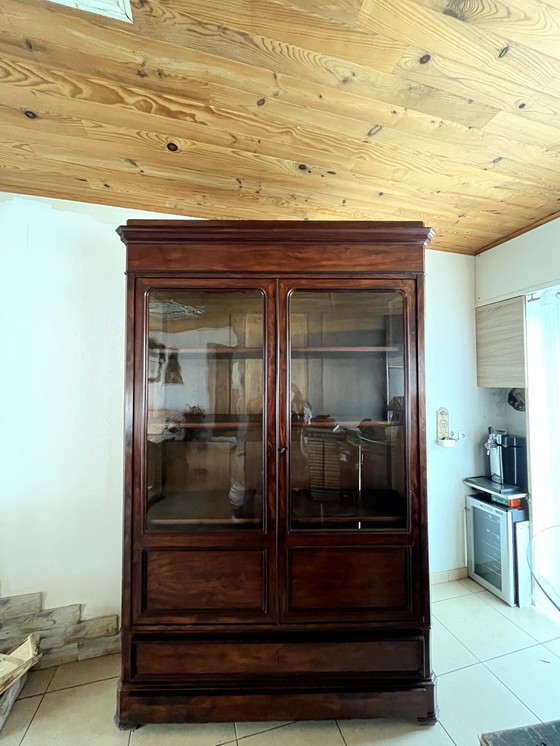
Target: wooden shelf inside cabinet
218	350
217	425
259	350
202	521
208	511
344	423
356	349
327	424
371	506
350	521
162	417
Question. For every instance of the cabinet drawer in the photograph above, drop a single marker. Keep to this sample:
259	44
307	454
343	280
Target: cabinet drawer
214	658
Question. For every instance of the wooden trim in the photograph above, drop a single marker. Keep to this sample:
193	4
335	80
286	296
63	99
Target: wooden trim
317	231
128	486
280	259
413	697
421	469
274	247
515	234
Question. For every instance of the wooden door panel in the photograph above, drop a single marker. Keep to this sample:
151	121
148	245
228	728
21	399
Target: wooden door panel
213	583
193	560
341	582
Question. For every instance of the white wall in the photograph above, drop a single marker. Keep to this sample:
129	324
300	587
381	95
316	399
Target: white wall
519	266
451	383
62	314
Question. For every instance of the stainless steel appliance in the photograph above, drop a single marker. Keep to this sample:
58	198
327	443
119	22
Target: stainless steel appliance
497	543
508	459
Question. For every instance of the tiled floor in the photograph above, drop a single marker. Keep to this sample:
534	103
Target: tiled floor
497	668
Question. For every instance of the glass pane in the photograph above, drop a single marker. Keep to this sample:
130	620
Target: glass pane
487	547
347	455
205	410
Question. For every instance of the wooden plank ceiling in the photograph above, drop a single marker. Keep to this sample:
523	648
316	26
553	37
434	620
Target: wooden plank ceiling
446	111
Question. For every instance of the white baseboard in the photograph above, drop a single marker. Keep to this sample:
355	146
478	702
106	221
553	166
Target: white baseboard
448	575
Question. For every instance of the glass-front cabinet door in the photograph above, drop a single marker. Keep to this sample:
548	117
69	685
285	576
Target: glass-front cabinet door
349	548
347	410
204	505
205	429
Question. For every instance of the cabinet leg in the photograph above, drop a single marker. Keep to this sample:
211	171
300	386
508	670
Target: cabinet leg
124	725
430	718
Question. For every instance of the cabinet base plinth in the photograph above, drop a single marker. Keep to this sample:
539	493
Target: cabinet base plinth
140	706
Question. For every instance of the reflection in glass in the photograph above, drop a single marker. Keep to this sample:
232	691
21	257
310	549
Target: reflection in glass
205	410
347	381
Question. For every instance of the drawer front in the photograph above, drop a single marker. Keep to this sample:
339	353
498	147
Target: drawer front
184	659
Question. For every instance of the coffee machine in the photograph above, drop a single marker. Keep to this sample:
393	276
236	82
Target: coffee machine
508	459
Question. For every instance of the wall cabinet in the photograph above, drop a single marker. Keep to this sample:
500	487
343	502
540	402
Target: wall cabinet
500	344
275	560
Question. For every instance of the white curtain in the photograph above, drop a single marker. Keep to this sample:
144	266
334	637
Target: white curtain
543	367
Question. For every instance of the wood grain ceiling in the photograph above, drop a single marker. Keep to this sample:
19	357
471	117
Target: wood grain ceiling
446	111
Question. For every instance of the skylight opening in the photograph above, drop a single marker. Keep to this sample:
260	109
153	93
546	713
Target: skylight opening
119	9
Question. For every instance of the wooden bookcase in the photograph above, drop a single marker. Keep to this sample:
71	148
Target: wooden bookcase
275	547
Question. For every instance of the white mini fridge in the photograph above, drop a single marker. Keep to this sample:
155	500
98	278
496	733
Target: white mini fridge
497	544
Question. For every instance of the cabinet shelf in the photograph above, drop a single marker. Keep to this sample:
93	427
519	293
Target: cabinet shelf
217	425
350	520
197	511
344	423
369	348
217	350
225	350
202	521
373	508
160	419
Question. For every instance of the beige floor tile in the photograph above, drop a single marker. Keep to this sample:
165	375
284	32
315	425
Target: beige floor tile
554	646
392	733
448	654
472	701
443	591
81	716
249	729
18	721
471	585
37	682
533	675
193	734
541	626
86	672
481	629
323	733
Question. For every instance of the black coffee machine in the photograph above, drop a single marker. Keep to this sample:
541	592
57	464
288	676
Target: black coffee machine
508	459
